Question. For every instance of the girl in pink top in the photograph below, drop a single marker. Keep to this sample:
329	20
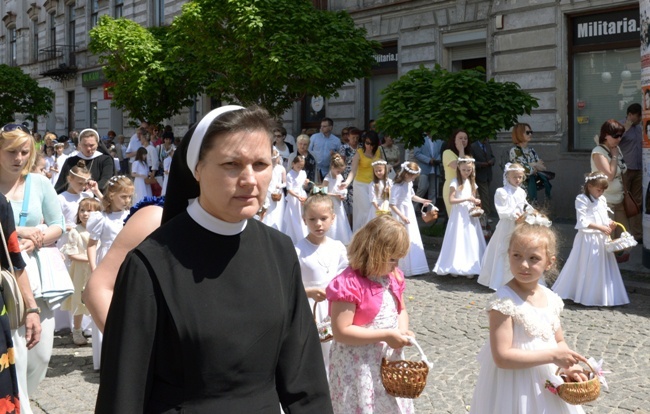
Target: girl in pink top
369	319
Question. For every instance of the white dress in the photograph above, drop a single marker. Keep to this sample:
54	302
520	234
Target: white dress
464	243
340	229
590	275
294	225
510	203
376	196
103	227
521	391
355	379
142	189
415	261
167	163
319	264
275	209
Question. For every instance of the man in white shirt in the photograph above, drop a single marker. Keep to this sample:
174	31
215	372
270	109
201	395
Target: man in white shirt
134	144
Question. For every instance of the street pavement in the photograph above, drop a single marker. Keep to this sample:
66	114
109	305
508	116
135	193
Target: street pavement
446	315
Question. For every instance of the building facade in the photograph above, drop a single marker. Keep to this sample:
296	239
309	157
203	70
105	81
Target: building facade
580	58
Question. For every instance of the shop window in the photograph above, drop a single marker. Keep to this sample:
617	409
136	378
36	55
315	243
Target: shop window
383	74
604	71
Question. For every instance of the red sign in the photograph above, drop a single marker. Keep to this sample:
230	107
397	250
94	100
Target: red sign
108	94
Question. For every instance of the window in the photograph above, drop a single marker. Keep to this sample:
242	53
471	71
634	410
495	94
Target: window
158	12
35	45
604	71
72	31
94	10
13	51
93	115
52	30
118	12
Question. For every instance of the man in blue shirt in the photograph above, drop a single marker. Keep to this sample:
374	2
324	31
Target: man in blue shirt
322	145
428	158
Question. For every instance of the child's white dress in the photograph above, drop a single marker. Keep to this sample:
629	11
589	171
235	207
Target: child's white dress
590	275
167	163
415	261
521	391
355	371
142	189
319	264
510	203
294	225
377	196
340	229
464	244
77	243
275	209
103	227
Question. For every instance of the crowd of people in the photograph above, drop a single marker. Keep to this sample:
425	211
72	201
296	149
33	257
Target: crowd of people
196	300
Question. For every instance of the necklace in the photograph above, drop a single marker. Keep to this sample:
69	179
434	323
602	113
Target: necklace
322	263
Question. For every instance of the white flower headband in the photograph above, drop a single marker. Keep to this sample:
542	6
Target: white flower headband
196	140
594	177
405	167
463	159
535	219
114	179
379	162
509	167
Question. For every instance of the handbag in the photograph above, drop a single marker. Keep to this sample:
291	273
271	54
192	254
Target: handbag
629	205
11	294
540	175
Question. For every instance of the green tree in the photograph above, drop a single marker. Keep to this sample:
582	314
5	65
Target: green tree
145	81
271	53
19	93
438	101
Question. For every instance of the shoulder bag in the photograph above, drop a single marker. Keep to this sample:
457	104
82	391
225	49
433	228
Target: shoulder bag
629	205
13	298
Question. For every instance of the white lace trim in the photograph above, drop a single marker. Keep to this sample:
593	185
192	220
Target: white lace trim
526	316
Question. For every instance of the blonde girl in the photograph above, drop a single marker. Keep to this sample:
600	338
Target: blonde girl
321	257
380	188
401	204
590	275
103	228
464	243
275	209
369	319
340	229
76	249
526	344
297	182
510	202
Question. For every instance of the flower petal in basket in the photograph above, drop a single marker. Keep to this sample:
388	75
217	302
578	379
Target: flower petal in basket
626	241
577	393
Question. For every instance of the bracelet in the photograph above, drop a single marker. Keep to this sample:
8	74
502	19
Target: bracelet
33	310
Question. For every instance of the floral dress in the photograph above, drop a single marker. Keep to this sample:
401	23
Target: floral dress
355	379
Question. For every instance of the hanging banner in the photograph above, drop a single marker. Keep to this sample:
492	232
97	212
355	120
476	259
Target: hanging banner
644	23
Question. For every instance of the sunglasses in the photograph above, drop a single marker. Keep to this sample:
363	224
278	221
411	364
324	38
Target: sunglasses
617	136
13	127
529	132
368	143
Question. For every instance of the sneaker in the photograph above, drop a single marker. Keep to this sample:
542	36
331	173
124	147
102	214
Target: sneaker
78	337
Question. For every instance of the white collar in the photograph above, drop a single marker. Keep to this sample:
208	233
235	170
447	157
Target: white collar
211	223
96	154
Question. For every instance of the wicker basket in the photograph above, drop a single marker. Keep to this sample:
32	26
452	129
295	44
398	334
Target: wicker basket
324	327
476	211
276	196
577	393
625	241
384	209
429	213
405	379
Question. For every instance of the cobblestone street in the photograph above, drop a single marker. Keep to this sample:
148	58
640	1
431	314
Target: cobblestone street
447	318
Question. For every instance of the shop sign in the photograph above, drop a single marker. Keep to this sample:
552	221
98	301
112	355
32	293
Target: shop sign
614	26
108	94
386	57
93	79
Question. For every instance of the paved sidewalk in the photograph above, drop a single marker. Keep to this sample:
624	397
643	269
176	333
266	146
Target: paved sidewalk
446	315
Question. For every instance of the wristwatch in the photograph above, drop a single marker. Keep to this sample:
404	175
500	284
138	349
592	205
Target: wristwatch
33	310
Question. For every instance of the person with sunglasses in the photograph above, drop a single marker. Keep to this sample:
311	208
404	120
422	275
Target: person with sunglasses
522	154
607	158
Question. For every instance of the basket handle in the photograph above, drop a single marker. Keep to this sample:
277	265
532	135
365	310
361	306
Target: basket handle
621	226
557	372
414	342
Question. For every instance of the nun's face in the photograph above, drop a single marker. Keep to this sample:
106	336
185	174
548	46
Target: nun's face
234	175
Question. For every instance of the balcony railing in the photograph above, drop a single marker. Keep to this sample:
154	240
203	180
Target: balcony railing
58	62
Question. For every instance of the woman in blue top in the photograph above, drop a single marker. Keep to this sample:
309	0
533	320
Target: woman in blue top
17	153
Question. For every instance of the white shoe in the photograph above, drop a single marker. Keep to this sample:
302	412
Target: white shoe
78	337
470	276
